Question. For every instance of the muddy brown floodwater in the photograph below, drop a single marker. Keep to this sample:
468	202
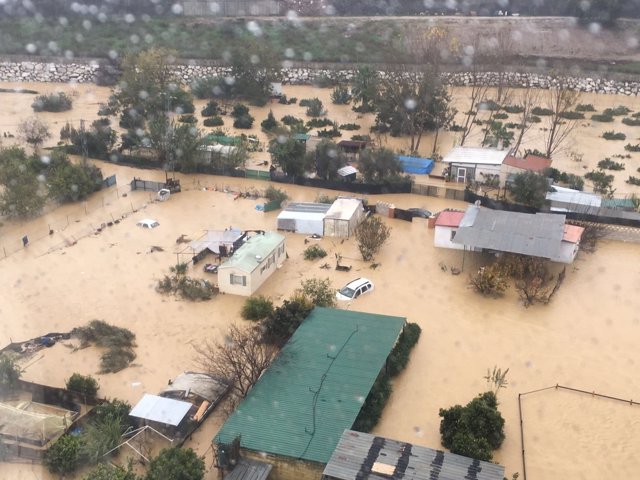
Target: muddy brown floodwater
586	338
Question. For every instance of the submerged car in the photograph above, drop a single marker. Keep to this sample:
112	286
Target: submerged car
419	213
148	223
354	289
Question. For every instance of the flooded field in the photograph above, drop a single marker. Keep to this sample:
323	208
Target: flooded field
586	338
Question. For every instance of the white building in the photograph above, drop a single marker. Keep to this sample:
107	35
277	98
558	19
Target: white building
306	218
447	224
250	266
343	217
471	164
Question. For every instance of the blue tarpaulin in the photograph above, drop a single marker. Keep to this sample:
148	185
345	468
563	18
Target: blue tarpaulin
416	165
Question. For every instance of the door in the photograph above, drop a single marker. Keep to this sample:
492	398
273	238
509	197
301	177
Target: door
461	175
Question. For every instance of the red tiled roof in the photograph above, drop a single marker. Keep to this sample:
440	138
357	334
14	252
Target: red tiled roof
572	233
533	163
449	218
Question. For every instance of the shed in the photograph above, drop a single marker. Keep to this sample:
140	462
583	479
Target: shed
213	240
352	147
343	217
294	415
362	456
165	411
306	218
416	165
472	164
563	199
348	173
251	264
247	469
447	223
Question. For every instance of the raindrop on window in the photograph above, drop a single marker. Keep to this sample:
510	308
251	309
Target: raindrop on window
129	18
86	24
31	48
176	9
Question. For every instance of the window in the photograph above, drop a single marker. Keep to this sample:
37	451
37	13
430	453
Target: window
453	235
238	280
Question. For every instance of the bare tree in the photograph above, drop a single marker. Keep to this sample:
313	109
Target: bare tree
560	100
477	96
34	131
528	100
240	357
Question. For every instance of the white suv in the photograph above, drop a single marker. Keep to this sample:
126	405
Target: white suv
354	289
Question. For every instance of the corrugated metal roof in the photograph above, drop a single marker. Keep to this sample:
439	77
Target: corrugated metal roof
572	233
571	197
316	387
248	469
538	235
473	155
532	163
344	208
160	409
307	207
301	136
253	252
214	238
201	384
361	456
348	170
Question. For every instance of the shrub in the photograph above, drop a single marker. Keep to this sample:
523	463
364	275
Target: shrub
187	119
513	109
571	115
488	105
319	123
608	164
52	102
329	133
340	95
176	464
285	319
119	342
371	235
617	111
324	81
511	125
319	292
489	281
10	373
239	110
399	357
213	122
64	455
632	148
601	117
350	126
542	112
361	138
631	121
275	194
82	384
257	308
269	123
612	135
534	151
289	120
534	119
107	471
243	122
374	404
314	108
633	180
601	181
207	87
500	116
211	109
585	107
313	252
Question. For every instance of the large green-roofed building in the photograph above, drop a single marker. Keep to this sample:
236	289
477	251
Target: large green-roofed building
314	390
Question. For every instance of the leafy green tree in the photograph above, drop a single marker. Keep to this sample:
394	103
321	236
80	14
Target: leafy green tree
529	188
365	88
10	373
23	194
319	291
176	464
176	145
64	455
475	430
371	235
269	123
253	68
69	182
602	182
106	471
257	308
289	155
82	384
328	159
34	131
379	165
285	319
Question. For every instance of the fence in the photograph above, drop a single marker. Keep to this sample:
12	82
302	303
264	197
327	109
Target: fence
438	191
352	187
146	185
109	181
258	174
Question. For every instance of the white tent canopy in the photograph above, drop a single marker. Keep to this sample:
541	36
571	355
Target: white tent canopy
160	409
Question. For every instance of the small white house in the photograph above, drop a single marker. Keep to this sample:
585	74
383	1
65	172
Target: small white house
447	224
306	218
251	264
471	164
343	217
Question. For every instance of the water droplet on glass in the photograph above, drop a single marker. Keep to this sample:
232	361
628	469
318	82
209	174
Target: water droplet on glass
129	18
595	28
289	53
86	24
31	48
176	9
113	54
135	39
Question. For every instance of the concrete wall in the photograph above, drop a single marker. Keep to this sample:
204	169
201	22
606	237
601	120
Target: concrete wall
286	468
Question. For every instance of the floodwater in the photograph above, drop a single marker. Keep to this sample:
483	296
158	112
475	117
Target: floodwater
586	338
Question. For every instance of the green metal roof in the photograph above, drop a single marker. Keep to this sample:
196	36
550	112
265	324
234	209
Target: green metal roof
315	388
253	252
301	136
222	140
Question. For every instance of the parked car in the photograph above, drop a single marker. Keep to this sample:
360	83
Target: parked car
148	223
419	212
354	289
211	268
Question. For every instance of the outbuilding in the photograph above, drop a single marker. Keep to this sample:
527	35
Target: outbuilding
447	224
471	164
343	217
250	266
416	165
306	218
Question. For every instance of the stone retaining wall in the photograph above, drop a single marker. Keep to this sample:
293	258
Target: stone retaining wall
26	71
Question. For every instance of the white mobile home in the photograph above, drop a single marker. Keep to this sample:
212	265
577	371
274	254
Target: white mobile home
306	218
343	217
255	261
470	164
